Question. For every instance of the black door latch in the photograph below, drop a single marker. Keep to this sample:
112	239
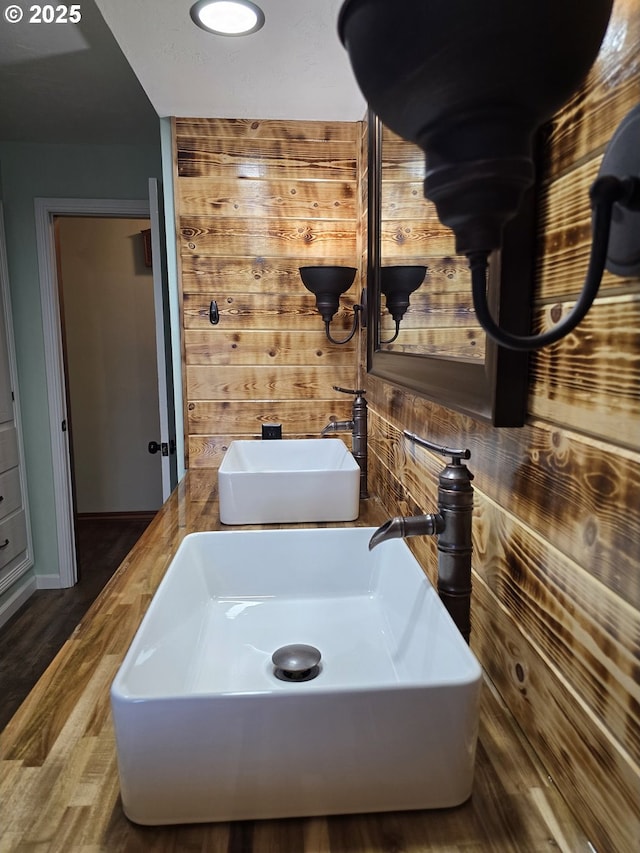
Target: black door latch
155	446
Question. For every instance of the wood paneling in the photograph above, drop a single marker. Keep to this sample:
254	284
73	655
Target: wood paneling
413	238
411	233
586	123
201	274
207	196
591	380
276	311
207	451
556	601
228	235
229	157
321	131
537	614
259	382
465	342
256	200
245	418
596	776
261	346
564	236
436	309
579	625
579	493
404	200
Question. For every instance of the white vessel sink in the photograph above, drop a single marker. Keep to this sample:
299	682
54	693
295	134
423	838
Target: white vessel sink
206	732
290	480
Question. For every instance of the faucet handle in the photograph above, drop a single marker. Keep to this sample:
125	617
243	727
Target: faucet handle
456	455
359	392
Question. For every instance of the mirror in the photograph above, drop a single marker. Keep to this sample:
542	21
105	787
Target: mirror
440	350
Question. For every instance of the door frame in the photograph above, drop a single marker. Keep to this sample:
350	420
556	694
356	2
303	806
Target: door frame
45	211
164	354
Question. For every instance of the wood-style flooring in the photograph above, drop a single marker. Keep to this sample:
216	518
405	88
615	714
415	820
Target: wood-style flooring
33	636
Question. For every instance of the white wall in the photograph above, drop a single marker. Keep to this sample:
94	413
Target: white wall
111	363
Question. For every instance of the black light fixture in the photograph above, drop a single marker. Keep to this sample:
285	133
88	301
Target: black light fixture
471	83
397	283
327	283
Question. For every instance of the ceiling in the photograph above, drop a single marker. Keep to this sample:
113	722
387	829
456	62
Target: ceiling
109	77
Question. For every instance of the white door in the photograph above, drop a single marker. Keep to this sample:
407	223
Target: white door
107	305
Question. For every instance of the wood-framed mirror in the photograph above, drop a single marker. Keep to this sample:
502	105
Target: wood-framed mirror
441	352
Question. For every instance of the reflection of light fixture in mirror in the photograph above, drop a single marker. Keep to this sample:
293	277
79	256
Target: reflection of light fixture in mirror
398	283
327	283
470	84
227	17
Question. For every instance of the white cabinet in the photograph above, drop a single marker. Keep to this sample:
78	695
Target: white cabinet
15	540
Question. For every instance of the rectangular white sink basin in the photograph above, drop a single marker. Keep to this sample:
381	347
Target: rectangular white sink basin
205	731
289	480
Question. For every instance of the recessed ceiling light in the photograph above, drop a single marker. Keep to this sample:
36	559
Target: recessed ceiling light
227	17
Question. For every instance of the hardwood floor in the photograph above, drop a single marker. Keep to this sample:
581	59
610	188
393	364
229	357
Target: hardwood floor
33	636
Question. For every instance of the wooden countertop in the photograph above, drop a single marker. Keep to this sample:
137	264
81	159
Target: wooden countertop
59	781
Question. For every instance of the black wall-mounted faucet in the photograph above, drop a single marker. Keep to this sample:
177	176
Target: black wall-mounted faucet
358	427
452	524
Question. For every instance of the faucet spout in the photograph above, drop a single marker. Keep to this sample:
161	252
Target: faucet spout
337	426
402	526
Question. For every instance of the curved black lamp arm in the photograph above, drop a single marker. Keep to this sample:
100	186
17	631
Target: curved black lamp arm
605	192
391	340
356	322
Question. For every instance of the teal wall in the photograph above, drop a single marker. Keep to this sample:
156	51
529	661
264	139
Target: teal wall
29	171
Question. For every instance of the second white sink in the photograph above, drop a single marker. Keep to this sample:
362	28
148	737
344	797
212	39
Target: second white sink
290	480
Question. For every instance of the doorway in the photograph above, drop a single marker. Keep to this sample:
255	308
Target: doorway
106	299
47	210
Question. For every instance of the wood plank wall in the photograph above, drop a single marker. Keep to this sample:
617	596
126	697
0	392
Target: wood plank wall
255	200
440	318
556	601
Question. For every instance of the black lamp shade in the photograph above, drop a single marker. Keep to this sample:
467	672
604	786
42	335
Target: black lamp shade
397	283
327	283
470	82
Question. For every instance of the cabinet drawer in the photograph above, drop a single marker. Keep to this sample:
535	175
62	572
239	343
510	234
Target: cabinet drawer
10	494
13	537
8	448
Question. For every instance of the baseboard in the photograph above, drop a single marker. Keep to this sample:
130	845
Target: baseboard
132	515
24	589
50	582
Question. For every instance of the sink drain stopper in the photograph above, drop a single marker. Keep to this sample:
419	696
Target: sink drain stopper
296	662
